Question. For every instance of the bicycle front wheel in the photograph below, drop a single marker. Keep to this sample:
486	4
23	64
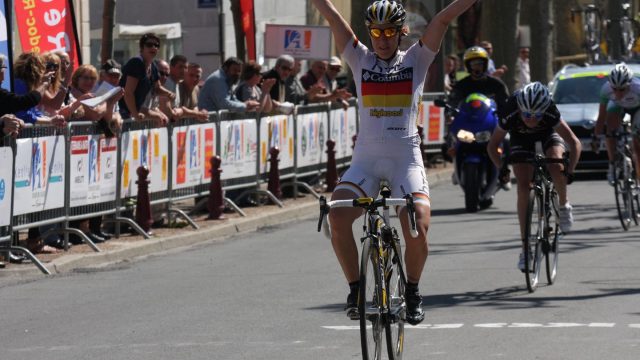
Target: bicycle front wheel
552	237
532	245
623	193
394	325
370	303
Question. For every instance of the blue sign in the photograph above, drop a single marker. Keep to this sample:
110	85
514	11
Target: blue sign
4	45
207	4
2	189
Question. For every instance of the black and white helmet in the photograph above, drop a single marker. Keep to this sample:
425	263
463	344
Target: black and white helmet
620	76
384	12
533	98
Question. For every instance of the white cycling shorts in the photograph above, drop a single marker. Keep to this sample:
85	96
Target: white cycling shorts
402	169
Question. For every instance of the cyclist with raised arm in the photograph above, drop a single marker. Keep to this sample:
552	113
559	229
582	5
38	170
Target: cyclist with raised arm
619	96
390	84
530	116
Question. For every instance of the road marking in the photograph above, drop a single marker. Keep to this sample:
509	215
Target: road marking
496	326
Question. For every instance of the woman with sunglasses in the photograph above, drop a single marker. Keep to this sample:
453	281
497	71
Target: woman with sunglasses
530	116
389	83
619	96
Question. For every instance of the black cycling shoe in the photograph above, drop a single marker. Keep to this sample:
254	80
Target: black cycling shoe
352	306
415	314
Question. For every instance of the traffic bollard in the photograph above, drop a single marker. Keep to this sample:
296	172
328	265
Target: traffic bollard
332	170
143	203
274	173
215	204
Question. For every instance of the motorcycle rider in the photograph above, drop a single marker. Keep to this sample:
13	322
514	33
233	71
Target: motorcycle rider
530	116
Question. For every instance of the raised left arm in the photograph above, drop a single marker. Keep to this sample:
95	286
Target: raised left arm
432	37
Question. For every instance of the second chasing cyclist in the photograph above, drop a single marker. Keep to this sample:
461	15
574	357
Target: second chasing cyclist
390	83
530	116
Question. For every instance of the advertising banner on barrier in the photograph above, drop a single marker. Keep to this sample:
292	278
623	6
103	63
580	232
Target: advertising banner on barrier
108	158
431	118
6	185
311	138
239	149
92	170
5	42
276	131
39	179
343	127
148	147
193	147
47	25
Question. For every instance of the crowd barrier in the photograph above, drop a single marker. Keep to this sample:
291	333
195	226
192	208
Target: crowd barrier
76	173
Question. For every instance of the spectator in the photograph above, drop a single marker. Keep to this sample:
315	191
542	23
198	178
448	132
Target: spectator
10	125
491	68
331	82
177	72
66	68
10	102
281	72
217	92
451	65
30	76
249	88
313	78
151	105
110	73
295	92
54	97
523	75
139	77
189	88
109	77
168	107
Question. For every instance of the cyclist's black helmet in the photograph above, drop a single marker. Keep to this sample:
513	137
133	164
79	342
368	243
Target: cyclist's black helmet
533	98
620	76
385	12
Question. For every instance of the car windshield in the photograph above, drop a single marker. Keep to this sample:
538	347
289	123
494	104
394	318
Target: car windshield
579	90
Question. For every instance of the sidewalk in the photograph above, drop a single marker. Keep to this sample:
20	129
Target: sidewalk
129	247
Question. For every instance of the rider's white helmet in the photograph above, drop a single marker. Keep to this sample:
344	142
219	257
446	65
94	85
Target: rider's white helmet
383	12
533	98
620	76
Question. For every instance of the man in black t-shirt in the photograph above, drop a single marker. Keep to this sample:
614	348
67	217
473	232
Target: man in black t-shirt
530	116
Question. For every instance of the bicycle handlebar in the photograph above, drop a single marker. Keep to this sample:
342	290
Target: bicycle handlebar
539	159
367	204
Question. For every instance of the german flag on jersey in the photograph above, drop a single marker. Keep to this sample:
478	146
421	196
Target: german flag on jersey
391	90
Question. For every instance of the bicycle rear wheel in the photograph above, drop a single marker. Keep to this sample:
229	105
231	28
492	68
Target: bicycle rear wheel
623	193
369	304
552	238
532	245
394	325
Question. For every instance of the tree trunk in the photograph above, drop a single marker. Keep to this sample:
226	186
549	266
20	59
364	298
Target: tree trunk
108	23
500	20
358	8
568	30
541	61
614	30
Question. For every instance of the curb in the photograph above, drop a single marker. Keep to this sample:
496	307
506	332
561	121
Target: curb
135	250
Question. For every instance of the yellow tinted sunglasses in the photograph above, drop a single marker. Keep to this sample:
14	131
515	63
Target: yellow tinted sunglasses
388	32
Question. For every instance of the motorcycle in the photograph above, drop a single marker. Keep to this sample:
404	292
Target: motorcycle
471	129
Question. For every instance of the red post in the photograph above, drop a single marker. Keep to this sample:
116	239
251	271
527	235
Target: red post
215	204
353	139
274	173
332	170
143	205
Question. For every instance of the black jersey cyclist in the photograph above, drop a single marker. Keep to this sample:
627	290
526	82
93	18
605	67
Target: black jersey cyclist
530	116
619	96
389	82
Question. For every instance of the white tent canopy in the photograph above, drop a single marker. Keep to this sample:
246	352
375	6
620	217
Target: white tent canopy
122	31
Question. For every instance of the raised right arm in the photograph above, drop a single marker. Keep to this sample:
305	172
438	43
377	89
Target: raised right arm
339	26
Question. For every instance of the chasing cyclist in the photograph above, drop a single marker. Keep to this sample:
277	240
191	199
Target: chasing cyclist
390	84
619	96
530	116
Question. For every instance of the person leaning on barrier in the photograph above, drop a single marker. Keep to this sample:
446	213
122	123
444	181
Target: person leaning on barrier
189	90
139	77
169	107
251	89
217	92
281	72
10	125
11	102
83	82
55	94
30	75
318	91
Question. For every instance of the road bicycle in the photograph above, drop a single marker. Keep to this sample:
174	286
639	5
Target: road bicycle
381	300
592	28
624	181
542	227
627	39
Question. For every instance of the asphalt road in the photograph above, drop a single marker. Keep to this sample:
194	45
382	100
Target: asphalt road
278	294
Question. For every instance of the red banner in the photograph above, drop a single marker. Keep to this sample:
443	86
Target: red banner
47	25
249	27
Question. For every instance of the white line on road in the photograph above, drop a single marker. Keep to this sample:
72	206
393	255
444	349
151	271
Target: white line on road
497	326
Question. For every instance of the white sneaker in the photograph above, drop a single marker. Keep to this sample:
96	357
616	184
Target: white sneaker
566	217
611	177
521	262
506	186
454	178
